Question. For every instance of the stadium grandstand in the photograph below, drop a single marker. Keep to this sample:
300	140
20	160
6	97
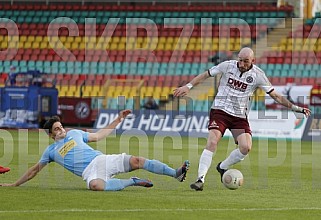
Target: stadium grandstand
107	50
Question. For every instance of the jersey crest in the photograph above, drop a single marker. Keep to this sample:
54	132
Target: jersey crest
249	79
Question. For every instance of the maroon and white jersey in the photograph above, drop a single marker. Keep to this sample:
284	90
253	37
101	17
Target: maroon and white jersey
236	89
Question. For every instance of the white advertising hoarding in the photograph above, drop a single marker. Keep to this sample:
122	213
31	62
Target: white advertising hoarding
271	124
276	124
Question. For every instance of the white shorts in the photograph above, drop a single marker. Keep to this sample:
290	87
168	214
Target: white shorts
105	167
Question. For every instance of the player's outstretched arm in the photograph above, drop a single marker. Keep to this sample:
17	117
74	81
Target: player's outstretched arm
104	132
31	173
183	90
285	102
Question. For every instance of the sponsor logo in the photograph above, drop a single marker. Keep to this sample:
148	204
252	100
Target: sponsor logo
67	147
237	85
213	125
82	110
298	123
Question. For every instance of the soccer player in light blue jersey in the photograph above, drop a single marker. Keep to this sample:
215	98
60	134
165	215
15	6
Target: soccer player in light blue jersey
71	151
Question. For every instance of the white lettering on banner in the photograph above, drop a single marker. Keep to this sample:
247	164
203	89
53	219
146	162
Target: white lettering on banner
188	121
156	126
66	107
144	121
128	123
205	124
103	120
167	127
197	124
176	126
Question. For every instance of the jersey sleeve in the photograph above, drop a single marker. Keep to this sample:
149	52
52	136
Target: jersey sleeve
45	158
80	134
264	83
84	135
220	68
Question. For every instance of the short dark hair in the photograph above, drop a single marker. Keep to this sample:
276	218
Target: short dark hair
48	125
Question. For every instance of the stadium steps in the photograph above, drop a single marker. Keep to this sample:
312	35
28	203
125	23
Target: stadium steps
276	35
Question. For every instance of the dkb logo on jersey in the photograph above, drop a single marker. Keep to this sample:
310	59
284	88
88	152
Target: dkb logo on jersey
237	85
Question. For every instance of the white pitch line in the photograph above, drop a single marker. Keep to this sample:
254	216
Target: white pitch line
161	210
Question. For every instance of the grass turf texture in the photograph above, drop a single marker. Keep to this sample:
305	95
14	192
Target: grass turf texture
281	182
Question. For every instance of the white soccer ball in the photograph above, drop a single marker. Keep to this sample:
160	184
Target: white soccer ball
232	179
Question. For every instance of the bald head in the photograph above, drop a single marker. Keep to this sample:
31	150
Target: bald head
245	59
246	52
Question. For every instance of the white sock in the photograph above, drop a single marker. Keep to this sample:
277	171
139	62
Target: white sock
204	164
234	157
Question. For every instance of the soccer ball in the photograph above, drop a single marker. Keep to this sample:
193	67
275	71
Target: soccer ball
232	179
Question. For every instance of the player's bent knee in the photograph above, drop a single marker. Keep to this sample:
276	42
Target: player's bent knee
136	162
97	185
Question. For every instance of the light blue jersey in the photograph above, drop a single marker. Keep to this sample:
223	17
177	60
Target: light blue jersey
72	152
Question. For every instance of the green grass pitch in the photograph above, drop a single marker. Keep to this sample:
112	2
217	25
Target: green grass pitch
282	181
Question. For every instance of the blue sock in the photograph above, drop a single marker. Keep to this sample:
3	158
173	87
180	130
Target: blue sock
158	167
118	184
